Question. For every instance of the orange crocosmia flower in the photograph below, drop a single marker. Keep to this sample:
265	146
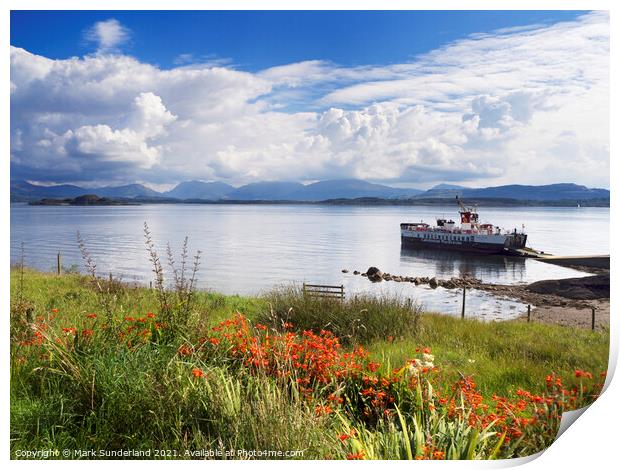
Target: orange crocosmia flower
69	330
260	327
150	315
438	455
426	350
197	372
357	456
288	325
343	437
87	333
583	373
54	310
320	410
130	319
214	341
373	366
91	315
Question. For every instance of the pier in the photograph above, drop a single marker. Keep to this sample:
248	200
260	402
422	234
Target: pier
594	261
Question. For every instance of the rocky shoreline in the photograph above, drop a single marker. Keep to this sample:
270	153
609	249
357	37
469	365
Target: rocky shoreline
561	301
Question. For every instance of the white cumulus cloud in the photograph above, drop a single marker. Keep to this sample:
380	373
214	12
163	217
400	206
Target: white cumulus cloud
524	105
108	35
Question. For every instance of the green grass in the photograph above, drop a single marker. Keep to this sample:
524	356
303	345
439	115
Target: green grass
502	356
106	396
73	295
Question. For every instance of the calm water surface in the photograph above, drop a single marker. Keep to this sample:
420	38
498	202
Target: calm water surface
248	249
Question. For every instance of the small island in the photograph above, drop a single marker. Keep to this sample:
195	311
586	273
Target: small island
85	200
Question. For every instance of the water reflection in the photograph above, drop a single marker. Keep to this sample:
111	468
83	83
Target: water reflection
457	264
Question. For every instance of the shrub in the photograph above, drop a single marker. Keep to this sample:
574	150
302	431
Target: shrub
359	319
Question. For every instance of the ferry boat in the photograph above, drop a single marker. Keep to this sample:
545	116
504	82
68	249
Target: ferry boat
470	235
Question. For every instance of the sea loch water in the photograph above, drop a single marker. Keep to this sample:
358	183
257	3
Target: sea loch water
248	249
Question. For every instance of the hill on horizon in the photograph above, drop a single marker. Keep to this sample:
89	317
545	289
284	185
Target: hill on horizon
199	190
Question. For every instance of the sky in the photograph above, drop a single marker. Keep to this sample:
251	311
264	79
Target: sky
401	98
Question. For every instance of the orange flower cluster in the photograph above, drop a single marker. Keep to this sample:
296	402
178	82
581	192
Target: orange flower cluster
322	371
308	358
430	453
139	330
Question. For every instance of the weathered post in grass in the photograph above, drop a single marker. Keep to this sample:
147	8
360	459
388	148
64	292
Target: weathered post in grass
463	308
58	264
593	317
529	312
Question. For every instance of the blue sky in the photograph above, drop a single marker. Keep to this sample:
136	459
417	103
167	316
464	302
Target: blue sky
258	40
416	98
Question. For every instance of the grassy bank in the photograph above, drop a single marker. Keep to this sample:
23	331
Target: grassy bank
104	367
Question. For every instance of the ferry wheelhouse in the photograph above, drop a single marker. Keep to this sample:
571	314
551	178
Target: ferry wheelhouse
470	235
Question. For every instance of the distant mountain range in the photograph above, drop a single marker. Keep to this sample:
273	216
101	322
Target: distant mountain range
549	192
24	191
320	191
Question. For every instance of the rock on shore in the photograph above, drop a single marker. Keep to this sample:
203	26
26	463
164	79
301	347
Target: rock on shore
573	292
582	288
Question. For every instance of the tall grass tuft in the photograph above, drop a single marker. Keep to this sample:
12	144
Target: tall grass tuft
175	304
22	309
108	290
360	319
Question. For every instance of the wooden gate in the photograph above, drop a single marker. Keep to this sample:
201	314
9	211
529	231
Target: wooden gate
324	292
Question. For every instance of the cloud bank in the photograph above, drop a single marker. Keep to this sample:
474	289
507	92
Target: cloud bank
526	105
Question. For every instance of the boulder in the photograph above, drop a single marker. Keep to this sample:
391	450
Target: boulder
345	271
356	273
374	274
433	283
373	271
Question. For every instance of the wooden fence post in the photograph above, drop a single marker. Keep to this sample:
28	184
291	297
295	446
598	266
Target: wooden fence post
529	313
58	264
463	309
593	317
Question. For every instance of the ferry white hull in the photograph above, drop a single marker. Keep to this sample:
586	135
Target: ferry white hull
476	243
